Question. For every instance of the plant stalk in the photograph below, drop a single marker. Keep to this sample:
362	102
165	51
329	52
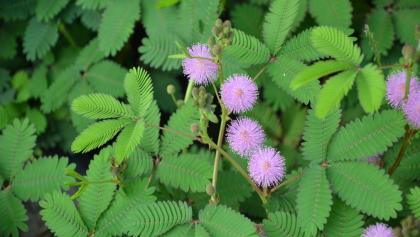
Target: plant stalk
189	91
406	142
67	35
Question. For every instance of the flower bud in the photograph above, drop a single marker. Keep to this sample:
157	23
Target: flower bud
408	52
219	23
227	24
216	50
211	42
170	89
210	189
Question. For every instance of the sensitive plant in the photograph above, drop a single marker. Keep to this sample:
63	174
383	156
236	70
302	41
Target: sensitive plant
269	127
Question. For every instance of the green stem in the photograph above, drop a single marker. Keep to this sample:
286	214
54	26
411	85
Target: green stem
189	91
407	81
67	35
287	182
238	167
224	119
260	72
92	182
406	142
74	174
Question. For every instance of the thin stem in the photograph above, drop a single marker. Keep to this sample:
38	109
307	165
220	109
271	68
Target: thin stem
260	72
407	81
189	91
406	142
217	94
74	174
177	132
174	99
287	182
67	35
217	156
92	182
239	169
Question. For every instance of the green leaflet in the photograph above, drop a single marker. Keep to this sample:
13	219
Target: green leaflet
335	13
92	4
371	88
300	47
367	137
318	70
139	163
157	218
188	172
335	43
333	92
61	216
177	134
150	141
222	221
366	188
240	19
381	26
405	23
139	89
106	77
45	10
100	106
13	214
16	146
117	24
413	200
344	220
38	39
129	138
317	134
16	10
282	224
41	177
278	22
155	51
247	50
314	200
96	198
97	134
89	55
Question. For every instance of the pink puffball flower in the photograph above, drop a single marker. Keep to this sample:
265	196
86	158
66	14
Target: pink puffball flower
202	70
396	88
239	93
266	167
412	109
245	135
378	230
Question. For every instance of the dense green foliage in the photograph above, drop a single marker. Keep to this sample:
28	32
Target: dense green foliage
92	134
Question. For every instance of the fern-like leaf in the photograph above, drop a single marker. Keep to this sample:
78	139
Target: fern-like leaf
405	21
156	49
157	218
106	77
278	22
344	221
92	4
89	55
16	146
222	221
46	10
318	70
16	10
61	216
129	138
335	13
367	137
178	135
139	89
300	48
96	197
333	92
366	188
413	200
247	50
282	224
335	43
381	26
139	163
150	141
314	200
371	88
240	19
117	24
13	214
187	172
100	106
97	134
126	203
38	39
317	135
40	177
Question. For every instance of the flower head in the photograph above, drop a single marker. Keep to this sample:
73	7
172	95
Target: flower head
396	88
266	167
378	230
412	109
244	135
202	70
239	93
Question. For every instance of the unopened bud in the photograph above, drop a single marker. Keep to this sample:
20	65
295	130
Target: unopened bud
218	23
211	42
216	30
408	52
195	128
227	24
210	189
195	92
170	89
179	103
216	50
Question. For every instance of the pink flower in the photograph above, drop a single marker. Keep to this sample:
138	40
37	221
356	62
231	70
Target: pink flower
239	93
412	109
396	88
244	135
378	230
266	167
201	70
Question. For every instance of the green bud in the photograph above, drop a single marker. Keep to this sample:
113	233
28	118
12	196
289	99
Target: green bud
216	50
170	89
211	42
216	30
219	23
210	189
195	92
227	24
408	52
